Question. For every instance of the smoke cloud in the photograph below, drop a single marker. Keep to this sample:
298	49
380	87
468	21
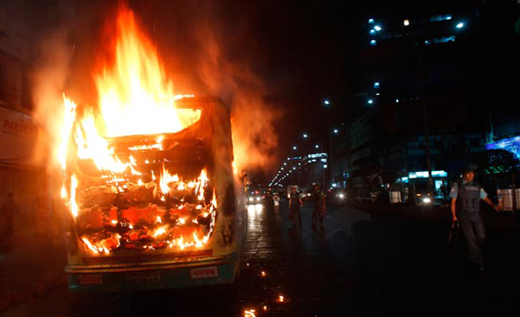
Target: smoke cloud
50	79
208	41
254	138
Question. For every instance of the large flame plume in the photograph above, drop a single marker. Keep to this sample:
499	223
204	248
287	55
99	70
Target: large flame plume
125	206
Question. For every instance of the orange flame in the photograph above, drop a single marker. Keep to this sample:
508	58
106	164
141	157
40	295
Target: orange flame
68	121
135	90
134	98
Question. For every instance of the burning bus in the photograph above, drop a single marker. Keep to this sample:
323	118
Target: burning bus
148	180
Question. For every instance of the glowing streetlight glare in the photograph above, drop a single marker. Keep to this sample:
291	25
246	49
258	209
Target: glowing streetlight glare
406	22
305	135
317	146
460	25
326	102
377	28
294	147
336	131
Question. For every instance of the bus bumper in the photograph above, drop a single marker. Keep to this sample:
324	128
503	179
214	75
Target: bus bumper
168	275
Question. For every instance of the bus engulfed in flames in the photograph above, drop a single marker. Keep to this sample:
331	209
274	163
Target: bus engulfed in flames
147	175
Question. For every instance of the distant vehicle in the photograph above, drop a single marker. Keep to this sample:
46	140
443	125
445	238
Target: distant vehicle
423	196
254	198
305	193
337	196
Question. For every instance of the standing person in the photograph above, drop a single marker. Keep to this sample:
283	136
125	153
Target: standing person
295	204
318	213
7	215
465	207
276	201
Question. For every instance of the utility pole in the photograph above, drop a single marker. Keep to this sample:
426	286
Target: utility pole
329	149
427	136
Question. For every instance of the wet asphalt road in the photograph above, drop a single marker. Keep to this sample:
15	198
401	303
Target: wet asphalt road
360	264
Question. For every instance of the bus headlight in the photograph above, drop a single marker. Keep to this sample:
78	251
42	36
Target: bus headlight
426	200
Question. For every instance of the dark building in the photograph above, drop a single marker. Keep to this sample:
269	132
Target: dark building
423	103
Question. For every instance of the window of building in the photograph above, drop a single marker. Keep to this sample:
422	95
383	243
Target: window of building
443	17
445	39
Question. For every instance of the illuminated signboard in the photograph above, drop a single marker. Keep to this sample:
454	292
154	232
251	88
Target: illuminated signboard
511	145
317	155
424	174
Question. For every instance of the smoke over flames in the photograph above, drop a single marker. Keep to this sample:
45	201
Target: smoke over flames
212	70
49	83
254	137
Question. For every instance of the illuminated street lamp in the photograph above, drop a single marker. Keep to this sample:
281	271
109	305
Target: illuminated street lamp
305	135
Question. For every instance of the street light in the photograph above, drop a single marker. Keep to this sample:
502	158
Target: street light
326	102
305	135
294	147
317	146
336	131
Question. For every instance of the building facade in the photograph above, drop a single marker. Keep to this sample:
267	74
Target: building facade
19	172
421	104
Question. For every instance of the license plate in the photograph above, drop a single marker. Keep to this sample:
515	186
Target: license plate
90	279
204	272
143	278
